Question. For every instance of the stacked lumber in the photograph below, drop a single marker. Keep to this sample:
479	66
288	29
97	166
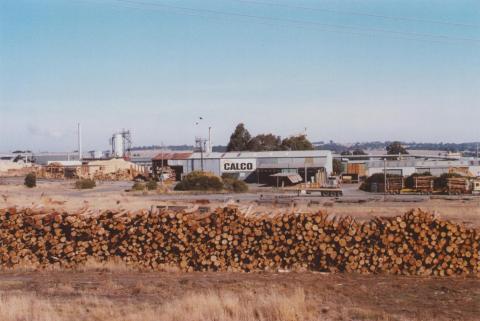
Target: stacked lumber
423	184
416	243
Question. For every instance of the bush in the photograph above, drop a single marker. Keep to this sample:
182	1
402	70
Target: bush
30	180
200	181
85	183
138	186
377	178
151	185
235	185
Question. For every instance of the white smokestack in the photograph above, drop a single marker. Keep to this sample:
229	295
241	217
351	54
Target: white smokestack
79	142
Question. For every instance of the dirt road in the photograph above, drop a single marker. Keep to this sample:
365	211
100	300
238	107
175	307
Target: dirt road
114	195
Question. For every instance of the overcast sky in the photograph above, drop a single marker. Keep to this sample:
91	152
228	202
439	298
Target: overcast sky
346	71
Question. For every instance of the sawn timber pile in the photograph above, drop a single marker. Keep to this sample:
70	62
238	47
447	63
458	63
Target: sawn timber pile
415	243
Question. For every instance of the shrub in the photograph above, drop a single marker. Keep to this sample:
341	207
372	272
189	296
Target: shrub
200	181
235	185
378	178
30	180
151	185
85	183
138	186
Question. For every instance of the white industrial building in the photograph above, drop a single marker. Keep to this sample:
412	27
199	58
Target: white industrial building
254	167
407	167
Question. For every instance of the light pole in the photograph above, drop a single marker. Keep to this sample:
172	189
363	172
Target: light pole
384	178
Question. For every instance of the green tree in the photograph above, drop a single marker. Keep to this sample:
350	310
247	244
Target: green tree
358	152
239	139
396	148
265	142
299	142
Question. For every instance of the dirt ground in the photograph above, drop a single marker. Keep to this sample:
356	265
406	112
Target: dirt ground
114	195
324	296
334	296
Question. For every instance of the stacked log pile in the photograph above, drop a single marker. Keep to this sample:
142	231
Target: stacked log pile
457	185
423	184
416	243
118	175
394	184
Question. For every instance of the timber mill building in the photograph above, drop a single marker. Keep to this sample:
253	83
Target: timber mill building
252	167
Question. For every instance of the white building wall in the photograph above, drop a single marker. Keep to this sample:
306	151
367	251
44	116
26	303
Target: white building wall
405	171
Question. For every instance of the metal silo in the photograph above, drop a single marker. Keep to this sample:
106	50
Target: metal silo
118	149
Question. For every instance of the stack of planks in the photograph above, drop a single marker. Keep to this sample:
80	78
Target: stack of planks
416	243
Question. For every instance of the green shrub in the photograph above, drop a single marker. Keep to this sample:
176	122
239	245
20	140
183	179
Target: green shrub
151	185
235	185
200	181
85	183
378	178
138	186
30	180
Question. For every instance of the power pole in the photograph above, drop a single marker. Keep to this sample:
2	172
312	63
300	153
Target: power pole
209	150
161	171
79	142
384	179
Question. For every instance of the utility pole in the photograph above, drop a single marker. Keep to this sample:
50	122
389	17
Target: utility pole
200	142
209	139
384	179
201	156
161	171
79	142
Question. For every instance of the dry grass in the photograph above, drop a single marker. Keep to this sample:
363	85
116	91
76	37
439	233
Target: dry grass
114	265
207	306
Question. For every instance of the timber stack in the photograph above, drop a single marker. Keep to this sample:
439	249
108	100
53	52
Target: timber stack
423	184
416	243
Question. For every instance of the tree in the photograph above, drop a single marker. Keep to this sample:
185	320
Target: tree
265	142
358	152
396	148
239	139
299	142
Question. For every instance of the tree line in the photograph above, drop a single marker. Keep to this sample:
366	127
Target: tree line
242	140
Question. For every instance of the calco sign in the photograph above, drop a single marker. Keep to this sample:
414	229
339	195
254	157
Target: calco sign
237	165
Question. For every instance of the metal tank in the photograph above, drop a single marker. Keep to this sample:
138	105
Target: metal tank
118	149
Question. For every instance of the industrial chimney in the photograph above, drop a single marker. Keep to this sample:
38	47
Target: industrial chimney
79	142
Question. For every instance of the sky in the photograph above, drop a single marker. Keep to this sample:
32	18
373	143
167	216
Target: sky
345	71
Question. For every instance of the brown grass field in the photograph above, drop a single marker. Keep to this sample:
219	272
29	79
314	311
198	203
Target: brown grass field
114	291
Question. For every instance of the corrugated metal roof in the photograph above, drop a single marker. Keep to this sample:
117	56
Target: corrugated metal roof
172	156
418	163
274	154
